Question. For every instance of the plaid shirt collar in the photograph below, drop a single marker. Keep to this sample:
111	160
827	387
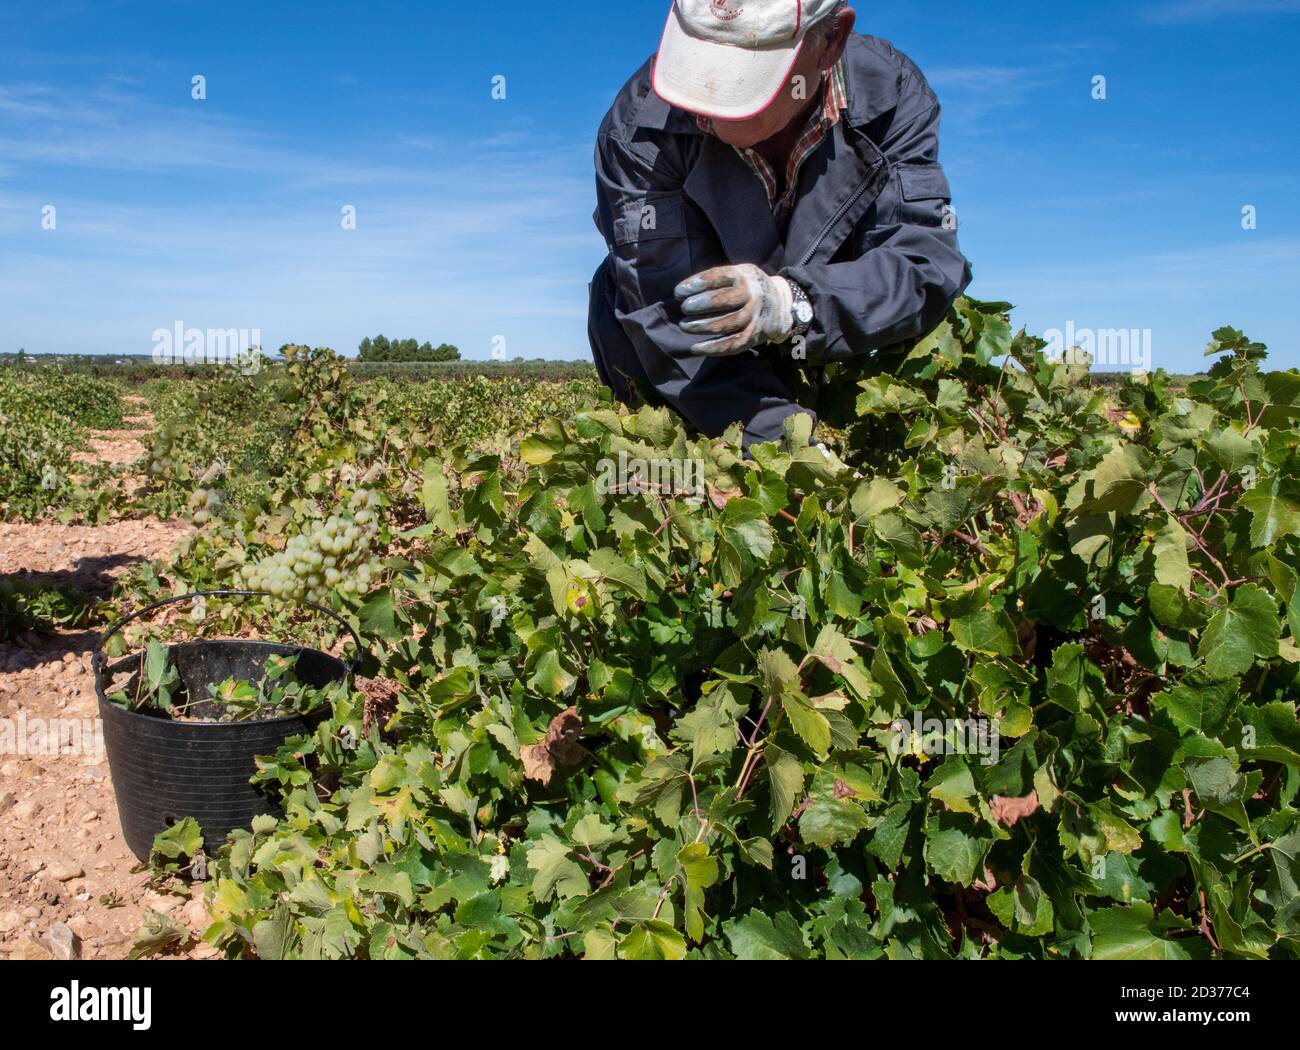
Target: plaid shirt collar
835	100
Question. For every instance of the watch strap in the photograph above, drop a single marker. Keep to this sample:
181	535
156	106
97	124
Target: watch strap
800	296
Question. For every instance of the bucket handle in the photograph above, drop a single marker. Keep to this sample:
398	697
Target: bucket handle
98	659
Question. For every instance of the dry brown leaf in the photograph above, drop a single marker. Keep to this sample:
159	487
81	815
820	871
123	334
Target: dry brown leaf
538	763
1010	811
562	737
720	498
559	747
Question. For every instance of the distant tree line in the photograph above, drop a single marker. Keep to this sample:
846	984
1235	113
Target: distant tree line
381	348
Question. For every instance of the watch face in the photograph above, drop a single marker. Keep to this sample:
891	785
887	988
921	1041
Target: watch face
803	312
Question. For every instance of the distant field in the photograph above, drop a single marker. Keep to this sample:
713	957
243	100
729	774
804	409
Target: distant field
140	368
1117	379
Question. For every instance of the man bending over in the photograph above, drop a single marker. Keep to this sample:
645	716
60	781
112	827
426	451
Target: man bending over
770	191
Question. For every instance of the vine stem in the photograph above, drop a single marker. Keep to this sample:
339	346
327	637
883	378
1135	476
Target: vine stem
1200	543
594	862
663	895
752	758
1250	853
755	751
1205	924
970	541
695	798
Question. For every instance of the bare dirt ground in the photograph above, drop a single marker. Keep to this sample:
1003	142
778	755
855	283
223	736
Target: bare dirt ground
119	447
68	884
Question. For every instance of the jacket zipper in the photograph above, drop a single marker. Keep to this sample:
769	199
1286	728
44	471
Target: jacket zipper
844	210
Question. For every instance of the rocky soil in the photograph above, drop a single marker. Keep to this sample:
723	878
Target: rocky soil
69	887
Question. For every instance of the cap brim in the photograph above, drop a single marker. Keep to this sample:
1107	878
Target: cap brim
718	80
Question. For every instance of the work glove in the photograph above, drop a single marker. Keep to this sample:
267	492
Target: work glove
740	305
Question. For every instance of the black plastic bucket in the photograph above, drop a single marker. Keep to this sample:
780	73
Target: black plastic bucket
164	771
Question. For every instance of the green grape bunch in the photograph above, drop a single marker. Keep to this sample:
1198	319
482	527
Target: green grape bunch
205	506
334	554
164	457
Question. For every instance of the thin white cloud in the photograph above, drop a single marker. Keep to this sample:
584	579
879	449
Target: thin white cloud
973	91
1190	11
224	225
114	129
981	78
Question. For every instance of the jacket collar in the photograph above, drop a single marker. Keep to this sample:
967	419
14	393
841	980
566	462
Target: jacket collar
872	76
656	114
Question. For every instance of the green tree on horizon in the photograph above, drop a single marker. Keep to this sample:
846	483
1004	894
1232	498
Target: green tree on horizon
381	348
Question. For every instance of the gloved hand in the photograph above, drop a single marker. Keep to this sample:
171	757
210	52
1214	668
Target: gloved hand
741	305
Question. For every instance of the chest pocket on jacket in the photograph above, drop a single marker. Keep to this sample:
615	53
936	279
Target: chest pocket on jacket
651	241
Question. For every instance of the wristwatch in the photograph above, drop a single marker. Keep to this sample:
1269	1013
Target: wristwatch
801	310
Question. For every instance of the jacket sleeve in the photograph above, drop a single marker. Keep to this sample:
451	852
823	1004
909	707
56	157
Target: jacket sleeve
909	269
647	222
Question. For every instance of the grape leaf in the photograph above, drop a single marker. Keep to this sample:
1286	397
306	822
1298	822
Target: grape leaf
1236	636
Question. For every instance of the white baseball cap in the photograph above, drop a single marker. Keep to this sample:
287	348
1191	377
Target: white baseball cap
730	58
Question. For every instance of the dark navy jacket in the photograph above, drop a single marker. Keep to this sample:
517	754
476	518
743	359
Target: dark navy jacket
866	240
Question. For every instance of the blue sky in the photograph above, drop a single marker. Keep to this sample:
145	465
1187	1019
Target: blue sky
474	215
